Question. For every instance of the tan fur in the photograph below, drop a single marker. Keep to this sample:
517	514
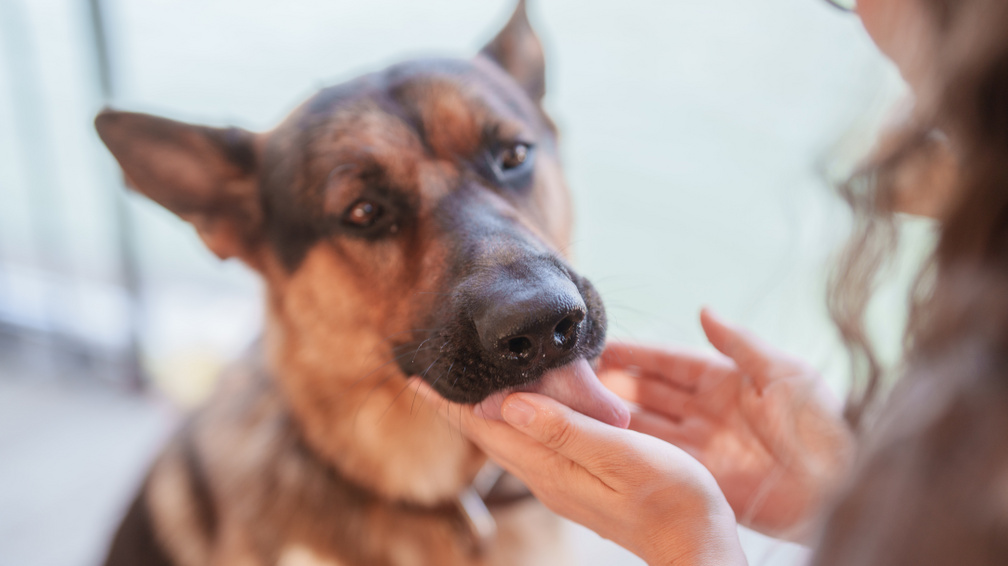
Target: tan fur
442	103
312	451
280	504
170	495
379	285
298	555
380	434
550	217
363	133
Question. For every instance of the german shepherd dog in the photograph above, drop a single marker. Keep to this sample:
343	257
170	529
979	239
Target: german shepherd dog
410	222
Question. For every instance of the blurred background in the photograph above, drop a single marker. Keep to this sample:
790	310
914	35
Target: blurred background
701	140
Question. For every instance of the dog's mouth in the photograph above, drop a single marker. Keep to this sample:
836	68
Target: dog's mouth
574	385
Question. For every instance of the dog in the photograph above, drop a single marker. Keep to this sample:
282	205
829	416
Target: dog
410	222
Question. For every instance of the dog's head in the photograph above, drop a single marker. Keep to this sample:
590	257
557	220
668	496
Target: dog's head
418	212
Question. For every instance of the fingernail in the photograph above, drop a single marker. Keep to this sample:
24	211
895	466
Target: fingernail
517	412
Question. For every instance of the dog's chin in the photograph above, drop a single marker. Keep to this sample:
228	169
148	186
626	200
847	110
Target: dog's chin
574	385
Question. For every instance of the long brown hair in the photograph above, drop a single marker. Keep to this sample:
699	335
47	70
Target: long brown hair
931	482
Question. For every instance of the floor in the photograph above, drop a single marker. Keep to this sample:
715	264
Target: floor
70	457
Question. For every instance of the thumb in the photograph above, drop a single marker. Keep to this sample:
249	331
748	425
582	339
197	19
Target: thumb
567	432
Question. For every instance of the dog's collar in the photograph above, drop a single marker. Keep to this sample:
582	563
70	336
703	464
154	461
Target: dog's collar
490	488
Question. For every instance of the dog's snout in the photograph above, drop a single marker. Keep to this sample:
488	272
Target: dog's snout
524	321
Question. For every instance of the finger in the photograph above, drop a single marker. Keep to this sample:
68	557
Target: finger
690	435
753	355
658	426
684	367
525	457
656	396
579	438
561	484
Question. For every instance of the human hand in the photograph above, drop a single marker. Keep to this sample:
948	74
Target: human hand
764	423
644	494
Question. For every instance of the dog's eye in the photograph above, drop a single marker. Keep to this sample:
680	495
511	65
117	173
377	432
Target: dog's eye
514	156
362	214
510	164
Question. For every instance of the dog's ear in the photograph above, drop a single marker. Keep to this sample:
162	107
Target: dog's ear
207	176
518	51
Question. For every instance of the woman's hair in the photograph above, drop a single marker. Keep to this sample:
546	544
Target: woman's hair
970	75
931	482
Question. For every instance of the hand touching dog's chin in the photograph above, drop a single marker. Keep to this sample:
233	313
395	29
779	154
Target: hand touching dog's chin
574	385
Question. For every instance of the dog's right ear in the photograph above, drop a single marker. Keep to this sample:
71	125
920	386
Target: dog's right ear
207	176
517	50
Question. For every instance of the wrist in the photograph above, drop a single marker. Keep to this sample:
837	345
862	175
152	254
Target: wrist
704	536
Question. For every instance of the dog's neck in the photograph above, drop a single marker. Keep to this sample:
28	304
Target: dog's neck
355	412
296	495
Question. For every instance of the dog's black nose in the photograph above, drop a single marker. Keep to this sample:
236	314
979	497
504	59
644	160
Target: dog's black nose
530	319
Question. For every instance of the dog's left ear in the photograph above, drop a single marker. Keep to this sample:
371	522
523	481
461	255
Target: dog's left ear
207	176
518	51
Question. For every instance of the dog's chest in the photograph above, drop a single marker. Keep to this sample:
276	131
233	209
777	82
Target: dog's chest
529	535
279	503
298	555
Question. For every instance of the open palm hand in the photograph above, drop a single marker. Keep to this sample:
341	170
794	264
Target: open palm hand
764	423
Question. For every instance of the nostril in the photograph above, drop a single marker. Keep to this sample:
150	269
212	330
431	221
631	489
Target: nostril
563	330
520	347
565	333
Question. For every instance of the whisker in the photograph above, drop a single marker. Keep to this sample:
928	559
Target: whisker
377	385
464	368
368	374
392	403
424	400
437	411
388	340
381	383
371	392
421	346
409	330
422	377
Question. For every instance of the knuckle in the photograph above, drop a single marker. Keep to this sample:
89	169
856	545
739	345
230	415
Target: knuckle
558	435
